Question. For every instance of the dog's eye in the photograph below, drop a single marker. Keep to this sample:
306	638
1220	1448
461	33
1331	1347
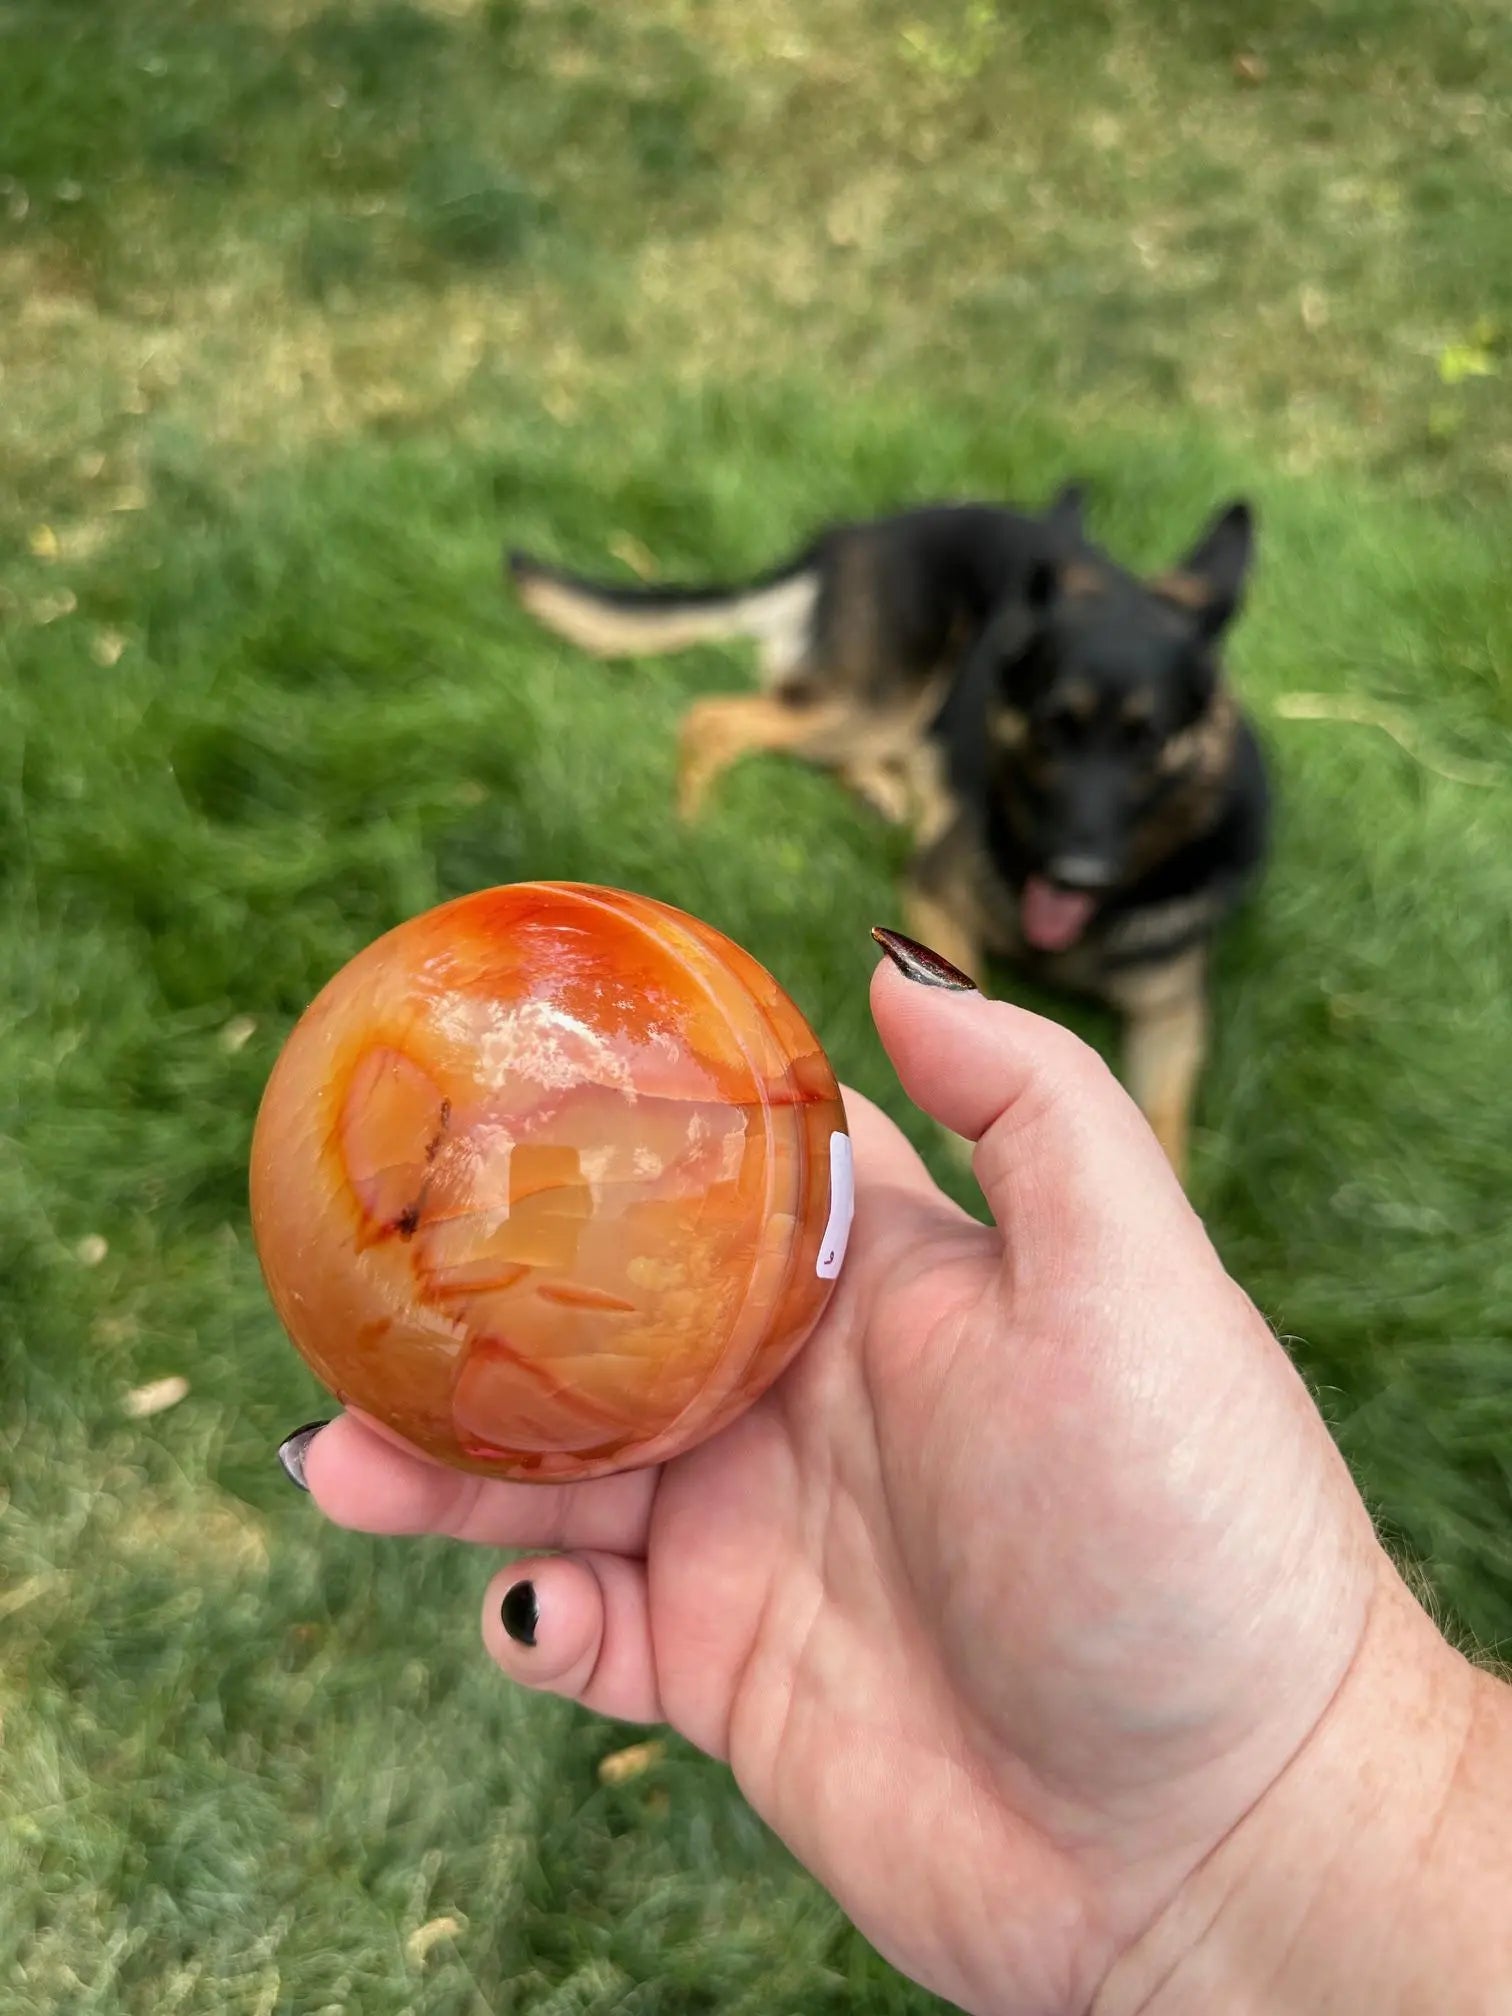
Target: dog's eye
1057	727
1139	735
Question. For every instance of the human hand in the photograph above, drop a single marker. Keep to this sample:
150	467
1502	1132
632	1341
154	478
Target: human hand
1023	1586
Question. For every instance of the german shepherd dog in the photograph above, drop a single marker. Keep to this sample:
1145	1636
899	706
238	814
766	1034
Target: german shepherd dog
1087	800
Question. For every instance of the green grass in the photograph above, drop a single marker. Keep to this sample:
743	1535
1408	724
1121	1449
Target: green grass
306	310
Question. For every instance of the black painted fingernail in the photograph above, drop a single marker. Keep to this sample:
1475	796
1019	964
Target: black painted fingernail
520	1613
917	962
294	1448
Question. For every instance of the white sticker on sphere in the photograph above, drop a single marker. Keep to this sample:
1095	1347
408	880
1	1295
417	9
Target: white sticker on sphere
842	1208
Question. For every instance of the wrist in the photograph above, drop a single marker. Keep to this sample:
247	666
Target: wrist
1373	1875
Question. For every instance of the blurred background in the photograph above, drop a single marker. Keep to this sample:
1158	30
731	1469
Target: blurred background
305	309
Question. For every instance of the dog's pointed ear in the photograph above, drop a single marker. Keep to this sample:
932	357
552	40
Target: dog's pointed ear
1210	580
1066	517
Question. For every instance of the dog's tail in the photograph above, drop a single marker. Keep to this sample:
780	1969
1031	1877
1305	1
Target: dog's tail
622	622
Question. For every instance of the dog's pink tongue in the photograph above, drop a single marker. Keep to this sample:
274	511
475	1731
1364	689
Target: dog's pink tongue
1051	918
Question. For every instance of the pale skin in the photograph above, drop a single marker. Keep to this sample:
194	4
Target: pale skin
1034	1606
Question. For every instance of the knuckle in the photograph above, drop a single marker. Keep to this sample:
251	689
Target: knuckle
1068	1073
1064	1100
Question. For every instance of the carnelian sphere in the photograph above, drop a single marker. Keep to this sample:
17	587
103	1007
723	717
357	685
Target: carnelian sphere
550	1181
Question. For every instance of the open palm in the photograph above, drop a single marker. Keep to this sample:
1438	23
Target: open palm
1020	1587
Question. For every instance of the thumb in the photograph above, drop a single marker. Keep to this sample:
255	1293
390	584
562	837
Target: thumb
1060	1147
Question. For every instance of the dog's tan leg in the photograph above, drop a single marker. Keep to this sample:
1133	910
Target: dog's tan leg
942	910
934	808
718	731
884	786
941	905
1165	1046
944	929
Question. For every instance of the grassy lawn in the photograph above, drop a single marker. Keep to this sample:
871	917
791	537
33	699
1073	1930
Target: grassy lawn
306	309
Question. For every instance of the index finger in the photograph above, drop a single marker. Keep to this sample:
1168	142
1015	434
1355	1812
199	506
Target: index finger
363	1481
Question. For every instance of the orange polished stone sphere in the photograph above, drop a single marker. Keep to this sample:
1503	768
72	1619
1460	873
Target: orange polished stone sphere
551	1181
